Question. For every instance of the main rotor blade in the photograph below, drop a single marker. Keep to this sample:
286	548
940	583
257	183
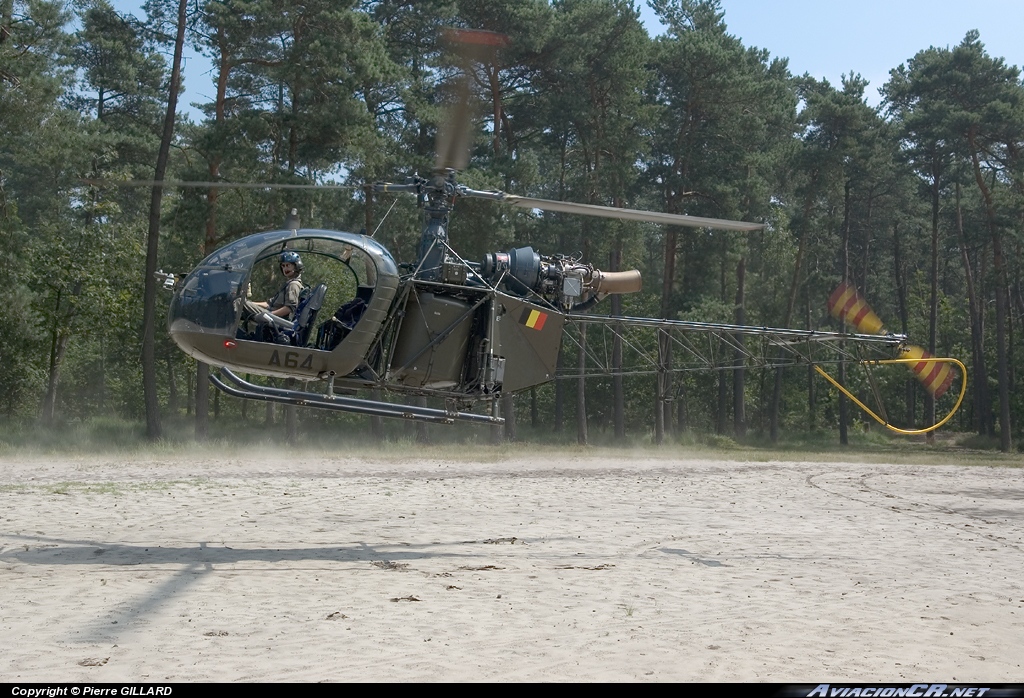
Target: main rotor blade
189	184
628	214
453	134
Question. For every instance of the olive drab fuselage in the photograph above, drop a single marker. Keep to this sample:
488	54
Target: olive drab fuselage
457	339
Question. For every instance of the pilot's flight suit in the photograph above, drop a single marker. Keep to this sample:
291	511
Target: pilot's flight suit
287	296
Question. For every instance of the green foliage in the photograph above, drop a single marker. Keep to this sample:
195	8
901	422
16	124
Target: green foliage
581	104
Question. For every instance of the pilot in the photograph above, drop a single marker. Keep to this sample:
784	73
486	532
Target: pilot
285	303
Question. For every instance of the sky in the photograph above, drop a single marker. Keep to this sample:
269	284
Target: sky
823	38
869	37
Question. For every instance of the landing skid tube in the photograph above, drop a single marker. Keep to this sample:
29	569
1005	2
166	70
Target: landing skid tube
251	391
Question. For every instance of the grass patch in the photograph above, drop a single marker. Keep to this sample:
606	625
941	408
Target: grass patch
976	442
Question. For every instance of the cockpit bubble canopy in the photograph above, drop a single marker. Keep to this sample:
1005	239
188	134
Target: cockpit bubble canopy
209	298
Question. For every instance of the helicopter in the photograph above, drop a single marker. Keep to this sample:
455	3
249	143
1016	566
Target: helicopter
465	331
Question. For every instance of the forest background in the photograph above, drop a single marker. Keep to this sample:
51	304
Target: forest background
918	200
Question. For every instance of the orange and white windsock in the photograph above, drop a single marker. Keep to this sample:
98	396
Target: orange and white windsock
846	304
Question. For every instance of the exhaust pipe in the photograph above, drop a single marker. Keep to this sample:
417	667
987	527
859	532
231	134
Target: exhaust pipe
609	282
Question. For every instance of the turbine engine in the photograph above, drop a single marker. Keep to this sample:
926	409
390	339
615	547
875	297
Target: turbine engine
561	280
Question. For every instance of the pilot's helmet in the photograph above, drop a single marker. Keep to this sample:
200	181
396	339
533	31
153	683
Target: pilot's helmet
292	257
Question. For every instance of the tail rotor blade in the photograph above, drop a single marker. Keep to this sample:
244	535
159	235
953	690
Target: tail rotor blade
846	304
934	376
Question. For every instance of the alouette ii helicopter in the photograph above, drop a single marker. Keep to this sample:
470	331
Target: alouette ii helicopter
471	331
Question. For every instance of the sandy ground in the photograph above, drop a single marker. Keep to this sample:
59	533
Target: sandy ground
621	568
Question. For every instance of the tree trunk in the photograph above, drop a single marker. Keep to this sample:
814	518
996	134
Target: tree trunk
980	382
662	384
844	405
618	390
933	299
368	210
58	343
153	239
559	393
202	427
202	422
682	415
794	289
739	408
508	409
910	392
493	74
812	404
722	409
291	417
172	386
497	431
581	391
663	390
377	423
422	431
1002	359
246	403
57	350
998	261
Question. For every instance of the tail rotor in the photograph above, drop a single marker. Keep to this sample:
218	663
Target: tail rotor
846	304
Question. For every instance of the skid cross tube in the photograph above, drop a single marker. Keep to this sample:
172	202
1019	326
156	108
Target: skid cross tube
251	391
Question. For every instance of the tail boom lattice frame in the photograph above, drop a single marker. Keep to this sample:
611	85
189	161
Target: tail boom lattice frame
649	346
700	346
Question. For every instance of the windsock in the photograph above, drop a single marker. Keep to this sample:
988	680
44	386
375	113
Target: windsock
846	304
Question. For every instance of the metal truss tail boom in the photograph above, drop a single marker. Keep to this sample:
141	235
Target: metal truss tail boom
652	346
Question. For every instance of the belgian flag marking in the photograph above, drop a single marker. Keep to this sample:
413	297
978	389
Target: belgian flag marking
534	319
